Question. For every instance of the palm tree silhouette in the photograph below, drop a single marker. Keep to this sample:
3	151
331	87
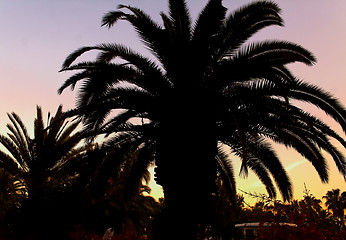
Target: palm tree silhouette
205	94
45	164
337	203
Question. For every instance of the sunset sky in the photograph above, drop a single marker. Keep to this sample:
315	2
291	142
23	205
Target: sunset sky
37	35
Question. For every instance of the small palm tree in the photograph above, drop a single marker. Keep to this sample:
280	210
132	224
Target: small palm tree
336	202
43	163
39	160
204	94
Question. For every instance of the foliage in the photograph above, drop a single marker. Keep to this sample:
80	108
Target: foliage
42	169
336	202
109	198
313	222
203	95
204	90
12	193
54	181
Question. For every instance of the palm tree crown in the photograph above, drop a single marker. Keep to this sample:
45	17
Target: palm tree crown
337	203
46	165
43	158
205	89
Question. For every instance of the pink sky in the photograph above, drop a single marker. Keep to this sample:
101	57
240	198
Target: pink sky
37	35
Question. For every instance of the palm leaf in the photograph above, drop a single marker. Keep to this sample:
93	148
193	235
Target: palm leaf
227	173
13	150
141	162
110	18
9	163
241	24
72	81
15	119
73	56
209	22
313	94
262	151
150	32
180	17
19	136
207	26
274	53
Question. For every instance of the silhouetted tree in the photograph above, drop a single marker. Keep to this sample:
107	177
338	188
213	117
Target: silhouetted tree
44	164
107	194
336	202
54	181
203	90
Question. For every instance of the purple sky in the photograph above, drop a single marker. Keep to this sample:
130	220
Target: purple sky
37	35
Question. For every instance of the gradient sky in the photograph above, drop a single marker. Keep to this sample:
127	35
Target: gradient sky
37	35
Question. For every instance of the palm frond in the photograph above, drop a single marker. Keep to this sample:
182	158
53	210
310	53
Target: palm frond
137	69
253	162
110	51
207	26
72	81
307	149
14	151
140	164
263	175
180	17
123	138
241	24
21	149
17	120
118	120
70	162
168	26
262	151
19	136
275	53
337	156
110	18
9	163
40	134
56	123
117	98
227	173
209	21
149	74
66	133
325	101
74	55
240	73
149	31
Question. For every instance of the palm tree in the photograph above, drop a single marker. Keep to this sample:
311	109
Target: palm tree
204	94
106	194
336	202
44	164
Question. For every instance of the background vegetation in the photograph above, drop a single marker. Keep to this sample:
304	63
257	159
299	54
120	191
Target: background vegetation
89	203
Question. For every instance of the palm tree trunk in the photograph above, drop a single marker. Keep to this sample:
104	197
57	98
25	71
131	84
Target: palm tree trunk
186	169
